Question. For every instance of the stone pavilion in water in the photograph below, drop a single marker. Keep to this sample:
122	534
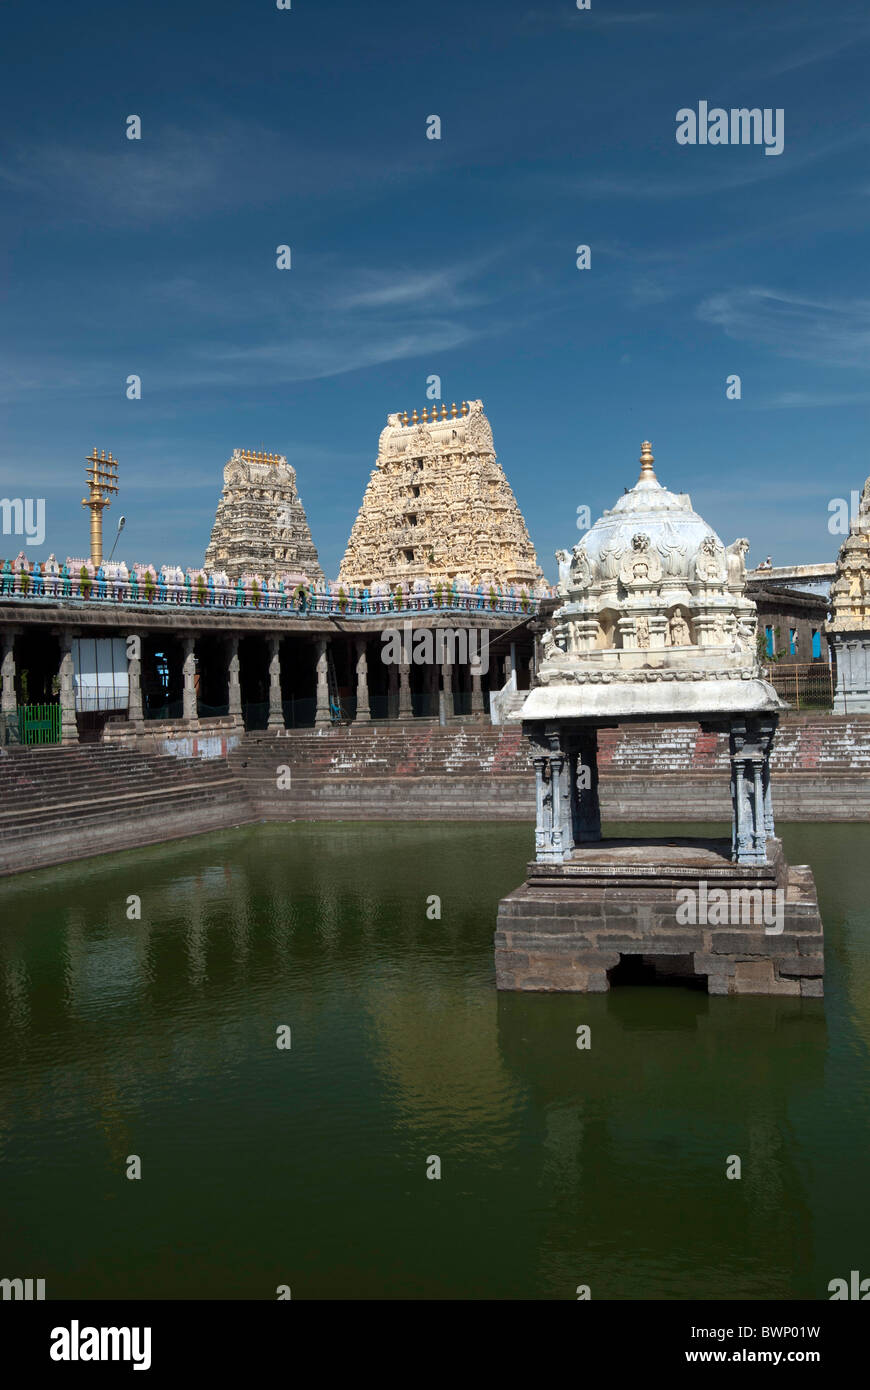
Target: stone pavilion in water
655	626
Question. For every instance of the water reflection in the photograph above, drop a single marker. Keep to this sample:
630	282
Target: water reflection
605	1166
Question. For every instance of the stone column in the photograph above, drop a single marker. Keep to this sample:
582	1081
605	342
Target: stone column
134	679
476	691
276	708
69	733
446	708
363	713
769	827
322	717
9	699
234	686
406	708
759	838
188	698
392	692
549	762
752	808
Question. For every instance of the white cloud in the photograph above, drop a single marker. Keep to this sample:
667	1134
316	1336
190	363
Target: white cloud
833	332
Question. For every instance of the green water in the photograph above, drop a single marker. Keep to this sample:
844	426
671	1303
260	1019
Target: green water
307	1167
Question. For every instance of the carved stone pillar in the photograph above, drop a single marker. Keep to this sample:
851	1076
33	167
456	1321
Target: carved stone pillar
752	808
69	733
392	692
406	708
476	691
9	704
322	715
553	836
134	679
446	707
188	705
276	707
234	686
363	713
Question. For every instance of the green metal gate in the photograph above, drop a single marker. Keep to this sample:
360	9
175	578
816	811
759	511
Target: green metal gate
39	723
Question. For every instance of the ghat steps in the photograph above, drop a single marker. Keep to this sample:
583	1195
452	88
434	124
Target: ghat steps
68	803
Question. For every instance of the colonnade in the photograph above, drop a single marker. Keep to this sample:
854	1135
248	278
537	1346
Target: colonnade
435	690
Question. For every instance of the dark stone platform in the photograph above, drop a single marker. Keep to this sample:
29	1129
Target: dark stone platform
569	925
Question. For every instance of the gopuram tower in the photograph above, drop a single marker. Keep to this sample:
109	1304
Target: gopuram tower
439	507
260	526
849	626
654	626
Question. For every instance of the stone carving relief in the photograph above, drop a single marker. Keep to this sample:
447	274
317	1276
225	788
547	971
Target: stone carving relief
679	632
710	562
564	559
640	565
736	554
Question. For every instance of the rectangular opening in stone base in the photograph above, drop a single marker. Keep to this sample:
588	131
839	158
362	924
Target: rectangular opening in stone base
656	970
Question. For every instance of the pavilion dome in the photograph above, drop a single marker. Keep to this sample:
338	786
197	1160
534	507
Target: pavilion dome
650	592
675	535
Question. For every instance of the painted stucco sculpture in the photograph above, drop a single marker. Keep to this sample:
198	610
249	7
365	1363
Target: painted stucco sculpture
439	507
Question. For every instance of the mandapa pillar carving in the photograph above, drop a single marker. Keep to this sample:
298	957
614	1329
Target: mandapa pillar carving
553	829
447	703
9	699
188	707
476	690
234	685
363	712
322	715
276	707
69	733
134	679
406	708
752	823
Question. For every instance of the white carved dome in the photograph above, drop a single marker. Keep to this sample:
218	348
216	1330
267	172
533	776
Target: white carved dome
675	533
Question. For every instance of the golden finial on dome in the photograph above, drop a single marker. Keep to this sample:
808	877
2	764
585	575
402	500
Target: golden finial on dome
414	416
646	462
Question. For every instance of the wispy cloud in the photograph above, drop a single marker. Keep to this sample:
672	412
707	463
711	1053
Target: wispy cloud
814	400
833	332
566	17
176	172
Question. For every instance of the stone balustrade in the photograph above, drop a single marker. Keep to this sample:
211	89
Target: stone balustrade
170	588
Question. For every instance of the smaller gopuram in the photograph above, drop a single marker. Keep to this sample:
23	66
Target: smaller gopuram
849	625
654	626
260	526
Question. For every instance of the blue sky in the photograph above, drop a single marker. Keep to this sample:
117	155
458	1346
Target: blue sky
411	256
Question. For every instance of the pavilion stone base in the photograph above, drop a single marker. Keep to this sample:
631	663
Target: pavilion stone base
569	925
